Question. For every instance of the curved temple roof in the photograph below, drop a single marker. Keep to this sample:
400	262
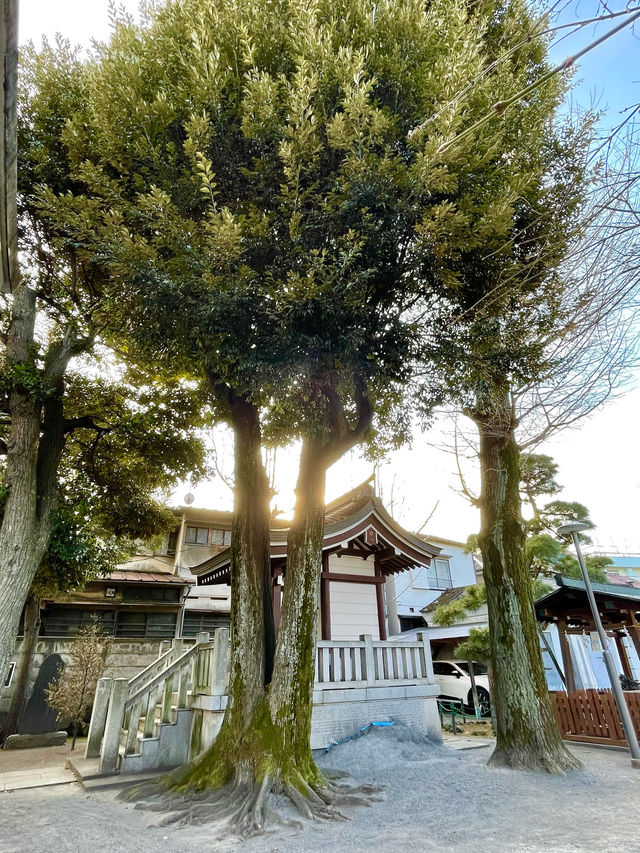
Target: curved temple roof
356	523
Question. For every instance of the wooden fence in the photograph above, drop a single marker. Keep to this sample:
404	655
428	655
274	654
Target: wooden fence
591	716
372	663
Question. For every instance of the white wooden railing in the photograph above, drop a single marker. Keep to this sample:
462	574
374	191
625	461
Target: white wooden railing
126	711
367	662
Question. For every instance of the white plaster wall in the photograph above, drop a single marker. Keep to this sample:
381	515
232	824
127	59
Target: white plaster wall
348	565
354	610
412	586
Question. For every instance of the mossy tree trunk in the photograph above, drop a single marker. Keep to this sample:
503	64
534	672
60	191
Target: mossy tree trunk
33	447
291	693
290	698
264	741
237	753
526	731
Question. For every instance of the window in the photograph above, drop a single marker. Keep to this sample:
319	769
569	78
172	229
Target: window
10	671
207	536
442	668
197	535
151	593
440	574
478	668
200	620
57	621
220	537
145	625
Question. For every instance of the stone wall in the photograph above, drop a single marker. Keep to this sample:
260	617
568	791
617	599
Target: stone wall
341	713
338	713
126	658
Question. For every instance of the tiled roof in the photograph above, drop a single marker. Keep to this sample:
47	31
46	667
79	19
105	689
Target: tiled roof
143	577
446	597
622	580
349	504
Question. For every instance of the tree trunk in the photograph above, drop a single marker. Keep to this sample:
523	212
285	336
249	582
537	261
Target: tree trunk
19	696
290	698
264	741
526	731
238	752
20	551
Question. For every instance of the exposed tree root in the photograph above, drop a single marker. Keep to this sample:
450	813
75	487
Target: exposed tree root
555	761
244	808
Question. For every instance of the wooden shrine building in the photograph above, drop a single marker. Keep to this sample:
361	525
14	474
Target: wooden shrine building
362	546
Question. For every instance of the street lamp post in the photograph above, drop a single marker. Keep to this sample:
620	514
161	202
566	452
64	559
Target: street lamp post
572	530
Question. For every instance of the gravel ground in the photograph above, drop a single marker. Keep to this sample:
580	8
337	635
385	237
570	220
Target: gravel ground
433	799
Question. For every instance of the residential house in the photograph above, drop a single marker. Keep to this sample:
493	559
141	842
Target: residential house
409	592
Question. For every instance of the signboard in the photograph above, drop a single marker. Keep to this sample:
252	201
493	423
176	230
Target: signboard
10	671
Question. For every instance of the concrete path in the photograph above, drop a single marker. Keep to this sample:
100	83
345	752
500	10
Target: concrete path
36	768
466	742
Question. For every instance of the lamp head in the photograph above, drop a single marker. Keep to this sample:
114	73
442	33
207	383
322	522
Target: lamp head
572	527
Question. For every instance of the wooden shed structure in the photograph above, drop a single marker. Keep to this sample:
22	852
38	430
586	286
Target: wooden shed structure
568	608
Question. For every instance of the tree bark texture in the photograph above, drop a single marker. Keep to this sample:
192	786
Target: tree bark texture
527	734
34	446
238	751
20	535
19	697
290	698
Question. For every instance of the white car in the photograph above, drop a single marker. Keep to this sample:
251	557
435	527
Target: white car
452	676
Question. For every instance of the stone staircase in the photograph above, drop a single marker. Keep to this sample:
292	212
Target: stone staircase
172	710
145	723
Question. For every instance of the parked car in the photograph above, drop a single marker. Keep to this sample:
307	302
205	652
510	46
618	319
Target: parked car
452	676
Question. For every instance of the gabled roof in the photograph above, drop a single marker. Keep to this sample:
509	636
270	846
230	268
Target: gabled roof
355	520
144	569
569	602
610	590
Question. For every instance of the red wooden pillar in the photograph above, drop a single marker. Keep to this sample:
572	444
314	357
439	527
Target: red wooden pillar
325	599
622	651
276	593
382	622
566	655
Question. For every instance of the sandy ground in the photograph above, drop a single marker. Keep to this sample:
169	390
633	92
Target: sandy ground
434	799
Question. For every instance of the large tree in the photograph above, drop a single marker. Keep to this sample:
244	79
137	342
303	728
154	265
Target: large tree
265	182
528	351
130	446
64	400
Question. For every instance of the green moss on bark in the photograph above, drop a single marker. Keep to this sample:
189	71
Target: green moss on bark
526	732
